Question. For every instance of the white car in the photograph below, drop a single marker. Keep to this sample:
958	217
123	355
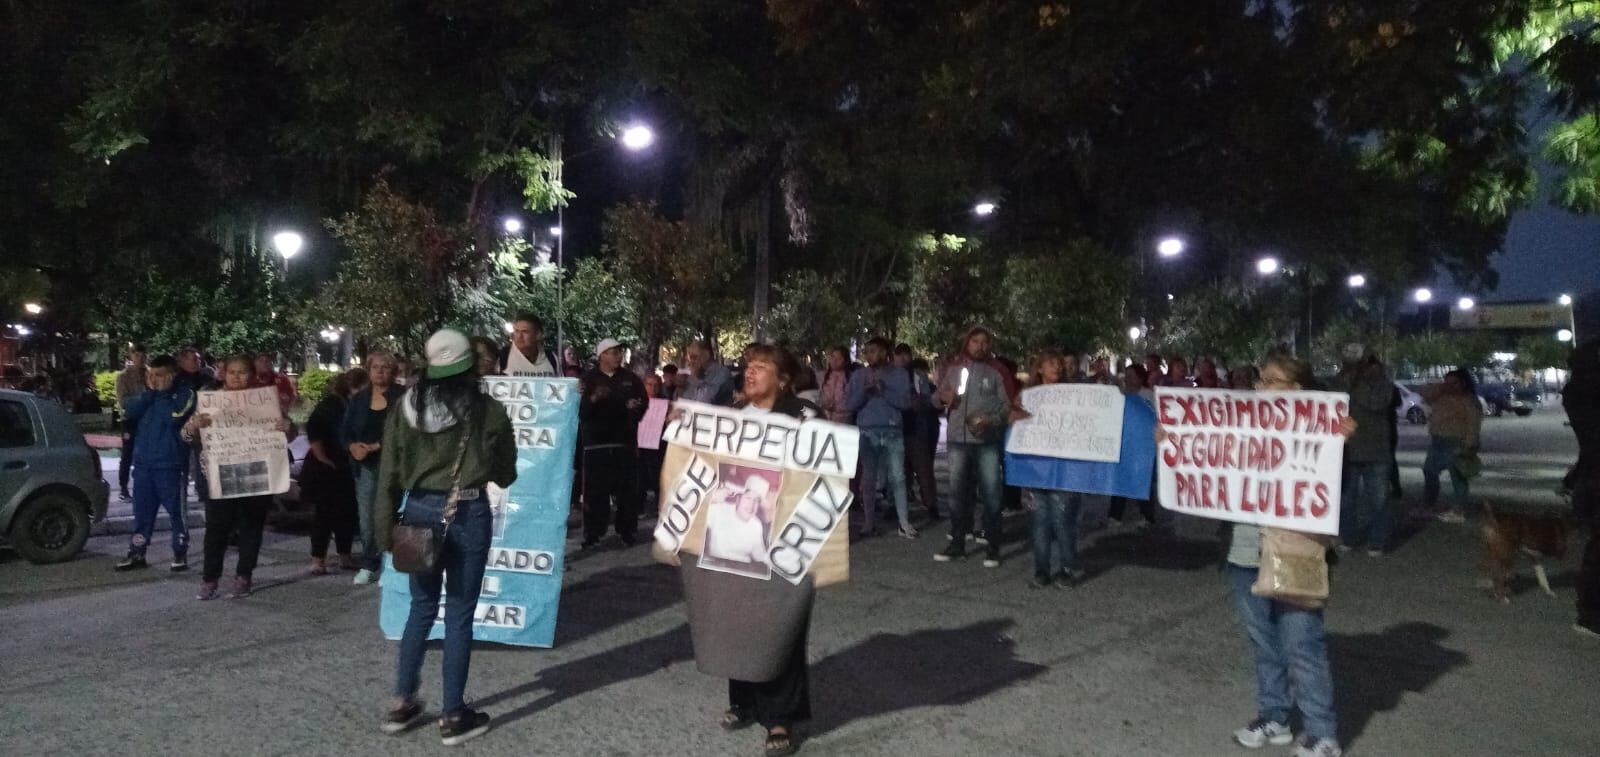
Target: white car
1413	408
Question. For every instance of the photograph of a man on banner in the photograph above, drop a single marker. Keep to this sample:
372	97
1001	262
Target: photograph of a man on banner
739	521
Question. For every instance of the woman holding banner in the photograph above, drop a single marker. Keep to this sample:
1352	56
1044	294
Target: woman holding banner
782	700
1291	650
1055	512
224	516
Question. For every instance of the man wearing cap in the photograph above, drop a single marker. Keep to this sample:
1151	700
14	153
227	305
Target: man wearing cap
608	431
1364	514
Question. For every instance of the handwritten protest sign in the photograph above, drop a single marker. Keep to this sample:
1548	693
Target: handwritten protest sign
655	419
522	586
1128	476
1071	422
243	450
757	494
1269	458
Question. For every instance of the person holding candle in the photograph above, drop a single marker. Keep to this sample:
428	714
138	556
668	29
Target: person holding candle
977	392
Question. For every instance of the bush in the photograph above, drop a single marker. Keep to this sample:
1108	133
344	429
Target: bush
105	385
314	383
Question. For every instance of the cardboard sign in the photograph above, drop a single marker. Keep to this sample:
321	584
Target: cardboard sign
242	450
757	494
1129	476
1071	422
1268	458
655	419
522	584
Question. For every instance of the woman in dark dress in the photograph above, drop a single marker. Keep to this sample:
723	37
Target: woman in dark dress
325	479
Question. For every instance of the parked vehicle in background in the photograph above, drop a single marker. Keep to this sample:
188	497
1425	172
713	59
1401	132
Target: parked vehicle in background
51	490
1530	395
1413	408
1497	399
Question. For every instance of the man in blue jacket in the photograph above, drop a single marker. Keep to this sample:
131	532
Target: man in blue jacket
160	459
879	395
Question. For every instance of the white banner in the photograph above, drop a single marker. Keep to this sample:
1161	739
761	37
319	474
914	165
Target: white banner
1071	422
1268	458
243	450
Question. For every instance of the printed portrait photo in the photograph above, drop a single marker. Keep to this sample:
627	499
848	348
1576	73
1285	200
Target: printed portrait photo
739	517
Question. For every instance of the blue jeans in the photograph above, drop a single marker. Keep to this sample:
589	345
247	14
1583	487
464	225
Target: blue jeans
1442	457
1055	524
974	465
1364	514
366	493
1291	655
155	489
883	458
462	560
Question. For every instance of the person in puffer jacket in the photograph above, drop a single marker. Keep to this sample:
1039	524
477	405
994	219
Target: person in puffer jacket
160	459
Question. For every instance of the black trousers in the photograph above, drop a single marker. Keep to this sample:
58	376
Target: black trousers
919	468
247	515
125	462
332	493
610	474
782	701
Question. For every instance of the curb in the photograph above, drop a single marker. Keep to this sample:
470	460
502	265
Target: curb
123	524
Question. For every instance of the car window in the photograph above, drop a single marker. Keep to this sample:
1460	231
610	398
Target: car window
16	428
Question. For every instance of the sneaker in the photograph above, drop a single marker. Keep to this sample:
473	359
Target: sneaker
588	544
463	727
1583	630
241	587
1323	748
981	537
909	532
1375	553
956	551
208	591
125	496
180	563
1344	549
319	567
1069	579
1261	732
991	559
1038	582
132	562
363	577
398	721
1451	516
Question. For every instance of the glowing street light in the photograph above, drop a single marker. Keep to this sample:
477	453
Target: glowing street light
1565	299
33	308
1267	266
638	137
1134	332
288	243
1564	335
1423	295
1170	247
512	224
984	209
1356	281
555	231
1466	303
509	328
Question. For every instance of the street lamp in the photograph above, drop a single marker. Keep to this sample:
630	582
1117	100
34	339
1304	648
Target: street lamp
555	231
984	209
1565	299
1564	335
1356	281
512	224
638	137
1267	266
1170	247
33	308
1423	295
1134	332
288	243
1466	303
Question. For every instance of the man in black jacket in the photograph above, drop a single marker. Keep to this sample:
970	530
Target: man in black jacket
608	429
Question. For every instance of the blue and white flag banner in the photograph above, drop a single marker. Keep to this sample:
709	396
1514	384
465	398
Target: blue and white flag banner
1127	476
522	586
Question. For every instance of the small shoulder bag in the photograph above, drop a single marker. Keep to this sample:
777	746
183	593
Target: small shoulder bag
415	548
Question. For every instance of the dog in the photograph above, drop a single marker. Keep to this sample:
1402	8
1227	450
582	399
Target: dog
1504	535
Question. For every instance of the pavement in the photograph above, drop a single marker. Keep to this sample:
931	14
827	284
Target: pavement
909	657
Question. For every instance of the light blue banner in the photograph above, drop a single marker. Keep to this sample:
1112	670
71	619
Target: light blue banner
1129	477
522	586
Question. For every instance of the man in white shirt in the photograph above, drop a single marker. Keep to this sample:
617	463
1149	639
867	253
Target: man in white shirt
527	356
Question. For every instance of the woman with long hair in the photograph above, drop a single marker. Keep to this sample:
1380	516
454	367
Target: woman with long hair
1453	429
362	437
447	435
325	479
224	516
1055	512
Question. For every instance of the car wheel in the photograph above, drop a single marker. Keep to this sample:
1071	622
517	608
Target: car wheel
1415	417
51	528
1523	412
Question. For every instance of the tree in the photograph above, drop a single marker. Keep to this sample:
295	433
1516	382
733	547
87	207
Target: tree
1536	353
954	283
811	314
1069	298
1234	324
680	273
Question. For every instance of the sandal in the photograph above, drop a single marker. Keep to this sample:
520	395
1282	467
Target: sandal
780	744
736	718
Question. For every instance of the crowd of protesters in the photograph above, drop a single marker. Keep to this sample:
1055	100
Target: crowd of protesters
905	408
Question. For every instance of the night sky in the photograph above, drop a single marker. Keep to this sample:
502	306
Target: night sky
1548	252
